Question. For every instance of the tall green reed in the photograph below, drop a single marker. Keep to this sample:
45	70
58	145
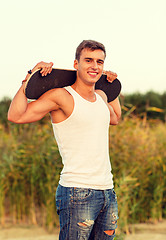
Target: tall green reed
137	152
30	165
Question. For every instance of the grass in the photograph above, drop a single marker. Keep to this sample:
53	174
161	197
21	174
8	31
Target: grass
30	166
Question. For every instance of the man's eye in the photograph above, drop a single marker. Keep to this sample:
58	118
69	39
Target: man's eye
100	62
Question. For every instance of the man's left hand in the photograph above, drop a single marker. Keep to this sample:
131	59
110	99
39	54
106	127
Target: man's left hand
111	76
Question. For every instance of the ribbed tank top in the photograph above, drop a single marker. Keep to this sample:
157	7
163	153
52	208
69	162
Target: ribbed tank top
83	141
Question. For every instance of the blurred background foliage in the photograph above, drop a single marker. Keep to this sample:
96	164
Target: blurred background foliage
30	165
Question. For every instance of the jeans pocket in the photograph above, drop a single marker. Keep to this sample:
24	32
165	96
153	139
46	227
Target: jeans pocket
82	194
114	194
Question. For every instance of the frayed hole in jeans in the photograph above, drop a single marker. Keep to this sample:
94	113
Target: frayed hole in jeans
86	223
110	232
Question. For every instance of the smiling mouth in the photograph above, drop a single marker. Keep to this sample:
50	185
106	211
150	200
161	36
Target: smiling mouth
94	74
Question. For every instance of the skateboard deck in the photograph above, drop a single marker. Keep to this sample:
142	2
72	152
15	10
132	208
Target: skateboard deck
37	85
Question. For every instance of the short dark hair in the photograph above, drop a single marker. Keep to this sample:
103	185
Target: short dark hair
90	44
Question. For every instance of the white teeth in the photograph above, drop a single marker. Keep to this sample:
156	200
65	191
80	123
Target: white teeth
92	73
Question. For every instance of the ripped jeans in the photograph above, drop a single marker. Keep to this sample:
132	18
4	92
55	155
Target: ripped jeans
86	214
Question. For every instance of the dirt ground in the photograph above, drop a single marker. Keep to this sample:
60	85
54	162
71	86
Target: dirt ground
27	233
140	232
148	231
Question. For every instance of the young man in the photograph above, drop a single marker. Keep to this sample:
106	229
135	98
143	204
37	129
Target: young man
85	198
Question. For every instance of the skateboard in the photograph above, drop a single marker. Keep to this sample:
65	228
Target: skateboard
37	85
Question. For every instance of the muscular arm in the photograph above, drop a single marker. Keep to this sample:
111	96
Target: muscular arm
18	106
114	106
21	111
115	111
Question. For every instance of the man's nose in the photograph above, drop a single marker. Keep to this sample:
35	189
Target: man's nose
94	65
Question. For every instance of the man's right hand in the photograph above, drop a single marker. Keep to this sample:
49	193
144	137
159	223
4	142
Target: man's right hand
46	68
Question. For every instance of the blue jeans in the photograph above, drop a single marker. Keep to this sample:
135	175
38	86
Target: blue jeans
86	214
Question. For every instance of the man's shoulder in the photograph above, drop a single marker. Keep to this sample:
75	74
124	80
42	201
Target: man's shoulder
58	95
57	92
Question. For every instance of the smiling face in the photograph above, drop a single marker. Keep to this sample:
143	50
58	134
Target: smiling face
90	66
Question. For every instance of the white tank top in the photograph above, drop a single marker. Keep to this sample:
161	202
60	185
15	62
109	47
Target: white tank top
83	141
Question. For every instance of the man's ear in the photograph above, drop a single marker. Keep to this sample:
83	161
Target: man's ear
76	64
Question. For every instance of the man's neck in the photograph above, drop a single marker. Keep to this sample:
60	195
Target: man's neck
84	90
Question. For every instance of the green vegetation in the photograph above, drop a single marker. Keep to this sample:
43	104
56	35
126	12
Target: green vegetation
137	150
151	104
30	166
